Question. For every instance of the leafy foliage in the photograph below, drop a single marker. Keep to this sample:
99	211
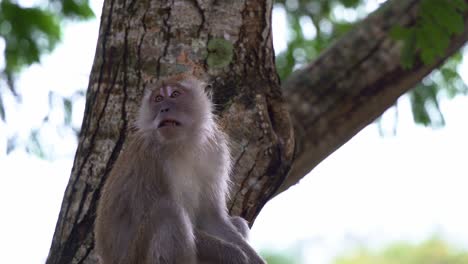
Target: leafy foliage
29	32
425	96
312	14
432	251
75	9
438	21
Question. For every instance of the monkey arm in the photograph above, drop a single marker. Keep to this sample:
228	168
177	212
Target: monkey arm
214	250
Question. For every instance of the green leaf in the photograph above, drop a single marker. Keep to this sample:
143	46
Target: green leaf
408	53
460	5
429	46
437	21
420	115
425	106
31	32
439	12
449	74
77	8
400	33
350	3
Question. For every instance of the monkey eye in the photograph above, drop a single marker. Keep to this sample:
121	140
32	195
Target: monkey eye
158	98
175	94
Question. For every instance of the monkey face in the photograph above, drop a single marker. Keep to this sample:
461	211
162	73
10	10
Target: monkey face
171	105
174	111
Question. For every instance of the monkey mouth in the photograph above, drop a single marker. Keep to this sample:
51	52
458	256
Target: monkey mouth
168	123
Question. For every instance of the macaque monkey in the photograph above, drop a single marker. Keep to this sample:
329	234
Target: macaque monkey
165	199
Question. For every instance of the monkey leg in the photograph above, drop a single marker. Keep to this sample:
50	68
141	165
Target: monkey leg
227	231
165	236
214	250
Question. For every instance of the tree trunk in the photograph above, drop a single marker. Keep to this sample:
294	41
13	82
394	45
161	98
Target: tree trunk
142	41
230	42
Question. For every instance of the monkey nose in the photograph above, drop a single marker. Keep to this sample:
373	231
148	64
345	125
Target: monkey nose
163	110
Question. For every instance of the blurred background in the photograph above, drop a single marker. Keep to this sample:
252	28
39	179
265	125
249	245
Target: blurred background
395	193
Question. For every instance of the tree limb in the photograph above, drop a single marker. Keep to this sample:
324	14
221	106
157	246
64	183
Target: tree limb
351	84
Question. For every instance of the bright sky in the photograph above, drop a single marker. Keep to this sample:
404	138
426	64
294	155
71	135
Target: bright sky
372	190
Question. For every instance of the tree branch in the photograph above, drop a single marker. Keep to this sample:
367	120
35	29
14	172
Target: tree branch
351	84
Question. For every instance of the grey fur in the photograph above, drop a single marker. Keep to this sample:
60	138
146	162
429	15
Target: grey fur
164	201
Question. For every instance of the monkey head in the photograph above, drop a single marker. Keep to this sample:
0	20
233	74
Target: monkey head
175	109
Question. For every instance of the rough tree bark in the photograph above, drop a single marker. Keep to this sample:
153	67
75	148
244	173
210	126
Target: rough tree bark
141	41
229	41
